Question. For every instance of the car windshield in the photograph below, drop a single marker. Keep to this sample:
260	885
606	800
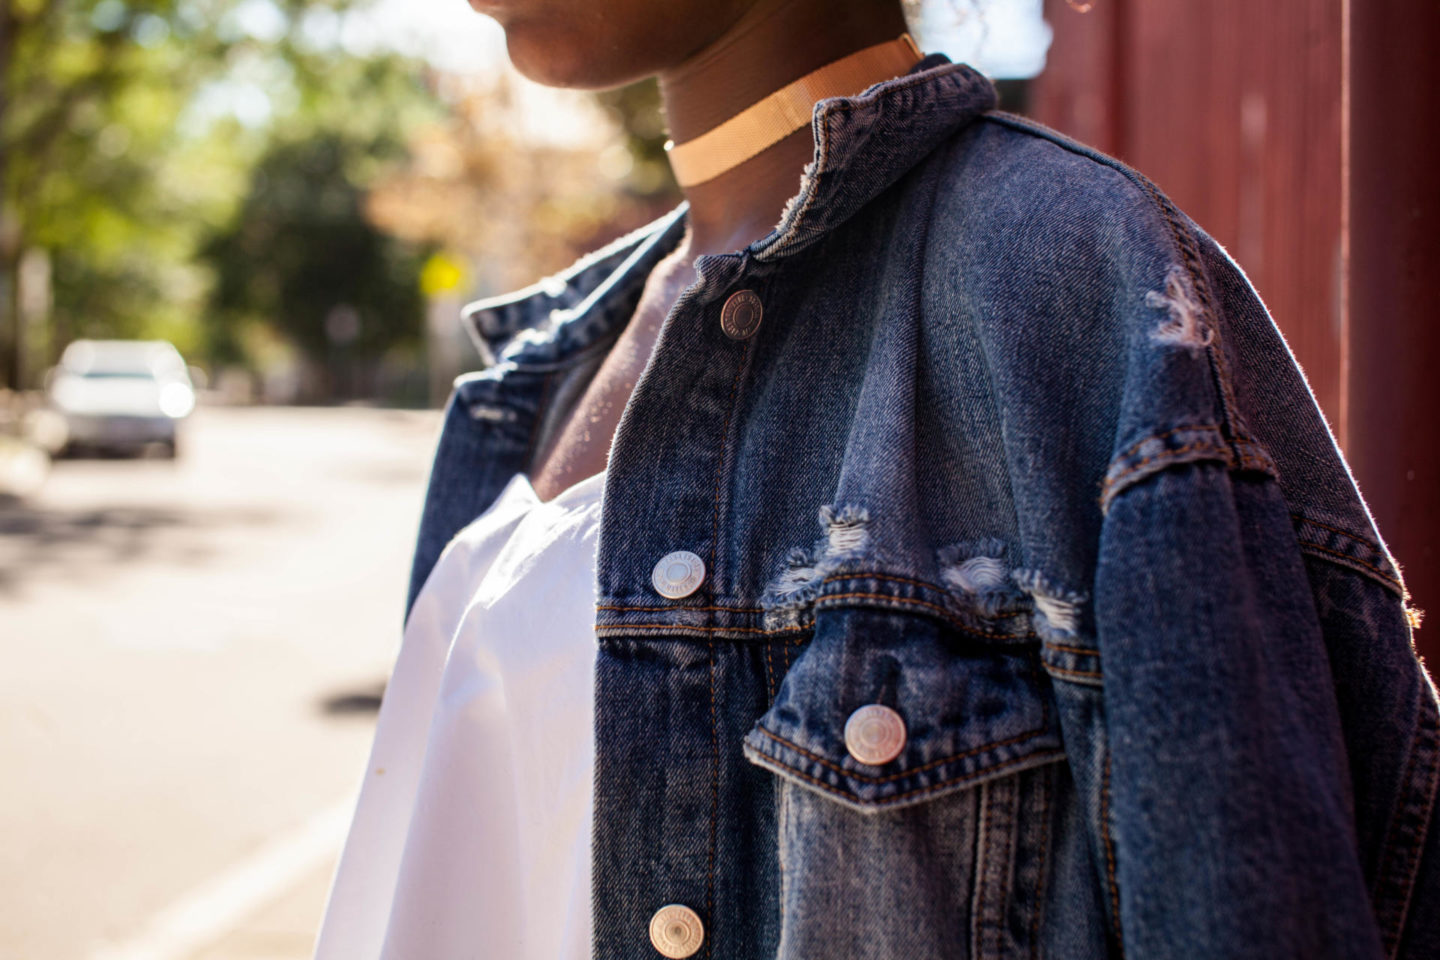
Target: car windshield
118	375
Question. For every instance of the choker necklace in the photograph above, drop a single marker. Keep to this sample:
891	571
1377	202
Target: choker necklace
766	122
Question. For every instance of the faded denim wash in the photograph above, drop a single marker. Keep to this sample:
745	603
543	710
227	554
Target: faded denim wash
1080	523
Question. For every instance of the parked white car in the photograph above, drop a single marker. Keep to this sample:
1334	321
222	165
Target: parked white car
122	395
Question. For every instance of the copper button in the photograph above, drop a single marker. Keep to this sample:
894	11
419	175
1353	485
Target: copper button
875	735
740	317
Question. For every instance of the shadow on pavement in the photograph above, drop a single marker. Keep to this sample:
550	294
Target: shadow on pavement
346	702
33	539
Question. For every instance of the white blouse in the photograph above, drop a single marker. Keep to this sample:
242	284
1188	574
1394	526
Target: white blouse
472	833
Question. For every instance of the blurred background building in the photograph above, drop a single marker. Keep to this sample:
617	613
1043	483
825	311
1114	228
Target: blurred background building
298	195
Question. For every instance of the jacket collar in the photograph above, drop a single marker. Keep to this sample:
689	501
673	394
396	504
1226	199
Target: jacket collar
863	145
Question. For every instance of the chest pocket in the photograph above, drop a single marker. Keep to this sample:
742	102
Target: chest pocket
917	762
889	708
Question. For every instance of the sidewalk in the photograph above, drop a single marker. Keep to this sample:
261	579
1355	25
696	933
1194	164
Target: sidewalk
283	929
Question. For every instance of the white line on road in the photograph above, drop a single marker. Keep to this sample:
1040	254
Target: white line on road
220	905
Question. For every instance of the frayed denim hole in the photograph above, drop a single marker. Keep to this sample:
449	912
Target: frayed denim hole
1057	611
977	571
1184	328
846	537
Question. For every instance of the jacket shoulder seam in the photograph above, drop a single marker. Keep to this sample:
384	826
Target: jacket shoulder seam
1186	443
1192	261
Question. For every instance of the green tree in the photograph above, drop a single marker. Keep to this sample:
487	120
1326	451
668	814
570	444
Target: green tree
111	168
302	258
89	90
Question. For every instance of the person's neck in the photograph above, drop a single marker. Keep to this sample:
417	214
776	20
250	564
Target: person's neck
776	42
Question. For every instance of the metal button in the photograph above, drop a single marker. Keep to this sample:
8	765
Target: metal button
678	574
740	317
676	931
875	735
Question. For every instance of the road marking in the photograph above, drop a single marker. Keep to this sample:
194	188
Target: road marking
218	906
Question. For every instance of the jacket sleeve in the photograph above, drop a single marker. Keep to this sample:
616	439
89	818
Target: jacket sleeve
1226	788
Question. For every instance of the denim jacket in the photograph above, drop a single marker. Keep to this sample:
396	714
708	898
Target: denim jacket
1004	445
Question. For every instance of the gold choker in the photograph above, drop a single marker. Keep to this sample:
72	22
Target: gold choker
766	122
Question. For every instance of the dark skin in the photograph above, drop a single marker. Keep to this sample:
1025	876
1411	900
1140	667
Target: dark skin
713	59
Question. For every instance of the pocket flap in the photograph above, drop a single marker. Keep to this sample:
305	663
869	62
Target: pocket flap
967	710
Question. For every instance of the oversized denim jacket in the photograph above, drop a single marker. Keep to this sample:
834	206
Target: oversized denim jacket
1080	524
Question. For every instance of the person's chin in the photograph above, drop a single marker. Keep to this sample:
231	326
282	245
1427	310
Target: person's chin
559	58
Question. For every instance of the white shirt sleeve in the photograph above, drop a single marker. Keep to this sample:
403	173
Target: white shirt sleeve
363	888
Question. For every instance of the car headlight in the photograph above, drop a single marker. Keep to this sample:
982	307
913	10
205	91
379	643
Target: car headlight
176	400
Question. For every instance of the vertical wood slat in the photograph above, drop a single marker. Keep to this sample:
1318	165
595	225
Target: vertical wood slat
1393	343
1233	108
1076	94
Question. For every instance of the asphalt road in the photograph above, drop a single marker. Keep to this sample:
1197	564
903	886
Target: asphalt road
192	656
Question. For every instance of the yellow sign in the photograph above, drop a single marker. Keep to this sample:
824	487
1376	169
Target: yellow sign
442	274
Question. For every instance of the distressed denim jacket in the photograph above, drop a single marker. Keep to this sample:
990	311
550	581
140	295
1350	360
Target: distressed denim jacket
1014	452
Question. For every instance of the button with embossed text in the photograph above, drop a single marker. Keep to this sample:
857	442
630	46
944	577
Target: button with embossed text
875	735
740	317
676	931
678	574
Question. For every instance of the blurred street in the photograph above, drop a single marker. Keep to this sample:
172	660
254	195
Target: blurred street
193	655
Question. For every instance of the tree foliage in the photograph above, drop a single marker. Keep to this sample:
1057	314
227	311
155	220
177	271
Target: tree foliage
301	256
123	152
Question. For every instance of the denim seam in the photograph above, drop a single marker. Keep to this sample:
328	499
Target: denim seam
1307	545
912	582
1007	792
1110	483
710	629
1065	672
982	850
769	674
884	576
824	787
1020	738
1109	844
1044	777
677	606
1194	266
714	571
1084	651
946	615
1417	809
714	810
782	827
1112	486
1199	427
586	278
1344	533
